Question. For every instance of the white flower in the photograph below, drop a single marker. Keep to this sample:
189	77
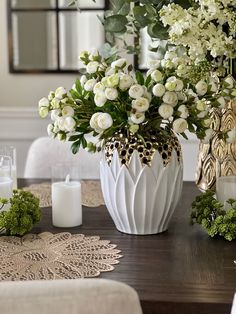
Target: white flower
51	95
55	113
206	122
202	114
231	136
125	81
221	101
157	76
208	136
213	87
50	128
98	87
229	82
183	112
60	92
104	121
89	85
182	70
112	80
109	71
134	128
201	88
83	80
181	96
140	104
154	64
69	124
120	63
100	99
170	98
170	55
92	67
94	123
201	105
55	103
43	102
180	125
43	112
165	111
170	86
61	123
137	117
136	91
68	111
111	93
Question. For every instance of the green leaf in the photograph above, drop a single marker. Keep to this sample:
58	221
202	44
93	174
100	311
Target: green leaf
157	30
120	7
116	23
139	78
141	16
75	147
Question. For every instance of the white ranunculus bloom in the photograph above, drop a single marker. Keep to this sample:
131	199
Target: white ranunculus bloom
125	81
43	102
158	90
134	128
92	67
68	111
154	64
50	128
104	121
183	111
231	136
89	85
111	93
201	105
170	55
229	82
157	76
180	125
181	96
94	123
201	88
61	123
69	124
137	117
43	112
100	99
112	80
60	92
221	101
182	70
83	80
140	104
208	136
136	91
109	71
170	98
170	86
120	63
165	111
55	113
179	85
98	87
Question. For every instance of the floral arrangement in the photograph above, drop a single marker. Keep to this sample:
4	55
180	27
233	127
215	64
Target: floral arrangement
208	212
176	95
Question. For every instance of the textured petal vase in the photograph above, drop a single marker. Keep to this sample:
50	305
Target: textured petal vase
141	198
217	158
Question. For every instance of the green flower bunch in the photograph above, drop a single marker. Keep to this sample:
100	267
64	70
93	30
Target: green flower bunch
209	213
23	214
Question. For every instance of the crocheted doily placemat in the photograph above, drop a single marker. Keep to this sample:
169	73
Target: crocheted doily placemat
91	193
55	256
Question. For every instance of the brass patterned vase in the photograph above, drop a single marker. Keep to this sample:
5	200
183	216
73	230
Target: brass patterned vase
141	184
217	158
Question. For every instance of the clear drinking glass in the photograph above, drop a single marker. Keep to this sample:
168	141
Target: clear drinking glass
10	151
225	189
6	182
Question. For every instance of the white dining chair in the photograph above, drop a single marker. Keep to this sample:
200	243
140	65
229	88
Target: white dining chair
45	152
79	296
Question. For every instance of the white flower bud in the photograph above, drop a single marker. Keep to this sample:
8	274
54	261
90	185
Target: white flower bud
201	88
89	85
157	76
104	121
180	125
112	80
165	111
98	87
55	114
140	104
43	102
100	99
183	111
170	86
125	81
111	93
201	105
43	112
137	117
92	67
60	93
83	80
69	124
68	111
136	91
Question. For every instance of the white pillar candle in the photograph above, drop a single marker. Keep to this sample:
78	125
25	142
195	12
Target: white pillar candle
66	204
6	190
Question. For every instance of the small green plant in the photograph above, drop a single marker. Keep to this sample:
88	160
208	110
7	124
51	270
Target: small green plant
209	213
23	214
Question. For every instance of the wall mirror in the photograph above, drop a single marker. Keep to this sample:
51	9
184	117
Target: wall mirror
47	36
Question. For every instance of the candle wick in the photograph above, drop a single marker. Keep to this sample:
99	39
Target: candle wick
67	179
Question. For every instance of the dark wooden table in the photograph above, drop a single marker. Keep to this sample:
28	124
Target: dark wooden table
181	271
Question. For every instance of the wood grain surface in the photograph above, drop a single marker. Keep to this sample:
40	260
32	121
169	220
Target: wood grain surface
179	271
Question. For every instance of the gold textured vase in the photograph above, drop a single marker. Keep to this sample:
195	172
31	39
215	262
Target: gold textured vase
217	158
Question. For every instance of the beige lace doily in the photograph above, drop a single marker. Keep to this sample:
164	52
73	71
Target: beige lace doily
55	256
91	193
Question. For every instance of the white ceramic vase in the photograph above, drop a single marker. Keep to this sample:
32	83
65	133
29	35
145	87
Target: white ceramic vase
140	198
